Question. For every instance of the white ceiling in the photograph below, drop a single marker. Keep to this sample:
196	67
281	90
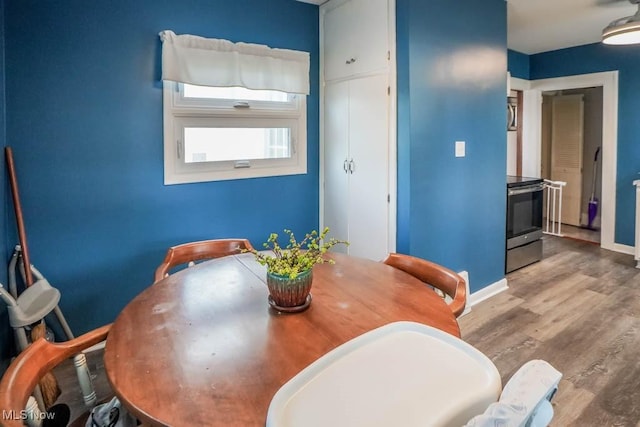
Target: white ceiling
536	26
541	25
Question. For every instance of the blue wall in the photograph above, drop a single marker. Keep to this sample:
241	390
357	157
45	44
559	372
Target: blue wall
452	86
84	118
6	336
596	58
519	64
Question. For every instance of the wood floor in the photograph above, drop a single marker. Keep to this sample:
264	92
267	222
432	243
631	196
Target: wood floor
581	233
68	381
578	309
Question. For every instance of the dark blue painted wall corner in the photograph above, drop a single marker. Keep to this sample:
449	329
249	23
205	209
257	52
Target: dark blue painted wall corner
6	334
595	58
518	64
452	87
87	103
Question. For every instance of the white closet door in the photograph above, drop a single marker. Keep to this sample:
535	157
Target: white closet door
355	38
370	42
369	177
338	48
336	153
566	153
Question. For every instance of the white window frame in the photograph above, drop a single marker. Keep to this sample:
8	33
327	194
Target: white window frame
180	112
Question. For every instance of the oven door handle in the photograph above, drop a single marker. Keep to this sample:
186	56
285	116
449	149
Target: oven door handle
531	189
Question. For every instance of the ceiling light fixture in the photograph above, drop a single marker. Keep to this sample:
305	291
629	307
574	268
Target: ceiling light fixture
625	30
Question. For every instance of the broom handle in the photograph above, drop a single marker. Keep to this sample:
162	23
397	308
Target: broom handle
22	235
595	174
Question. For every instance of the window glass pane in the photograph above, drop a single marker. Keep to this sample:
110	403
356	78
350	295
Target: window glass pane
208	136
209	144
234	93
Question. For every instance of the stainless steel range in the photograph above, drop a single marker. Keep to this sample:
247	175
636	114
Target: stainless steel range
524	221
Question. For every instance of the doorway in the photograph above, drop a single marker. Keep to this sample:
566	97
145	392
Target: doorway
571	137
532	137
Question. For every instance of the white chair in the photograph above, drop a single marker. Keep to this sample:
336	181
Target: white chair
402	374
30	307
525	400
33	304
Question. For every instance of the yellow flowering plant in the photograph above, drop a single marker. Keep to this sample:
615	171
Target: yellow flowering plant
296	257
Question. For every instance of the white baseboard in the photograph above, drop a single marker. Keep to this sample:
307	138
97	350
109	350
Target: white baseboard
465	276
624	249
488	292
484	293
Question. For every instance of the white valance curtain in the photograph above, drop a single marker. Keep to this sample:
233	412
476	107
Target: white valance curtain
216	62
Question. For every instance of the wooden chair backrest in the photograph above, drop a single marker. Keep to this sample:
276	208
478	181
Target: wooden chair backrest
197	251
449	282
28	368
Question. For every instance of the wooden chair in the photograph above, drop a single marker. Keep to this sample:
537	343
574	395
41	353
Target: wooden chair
437	276
188	253
26	370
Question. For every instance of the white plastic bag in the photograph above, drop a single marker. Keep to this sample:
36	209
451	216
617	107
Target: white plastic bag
111	414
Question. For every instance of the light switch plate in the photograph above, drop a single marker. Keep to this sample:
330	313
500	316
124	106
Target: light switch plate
460	148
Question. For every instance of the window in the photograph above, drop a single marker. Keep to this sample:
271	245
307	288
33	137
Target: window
213	133
215	127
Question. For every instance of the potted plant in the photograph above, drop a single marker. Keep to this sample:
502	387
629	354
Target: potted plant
290	268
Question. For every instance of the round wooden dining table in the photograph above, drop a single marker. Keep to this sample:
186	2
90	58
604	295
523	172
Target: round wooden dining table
202	347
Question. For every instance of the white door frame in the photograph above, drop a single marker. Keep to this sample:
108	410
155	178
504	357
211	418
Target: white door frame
532	141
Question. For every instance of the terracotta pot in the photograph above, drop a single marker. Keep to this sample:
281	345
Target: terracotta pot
290	293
